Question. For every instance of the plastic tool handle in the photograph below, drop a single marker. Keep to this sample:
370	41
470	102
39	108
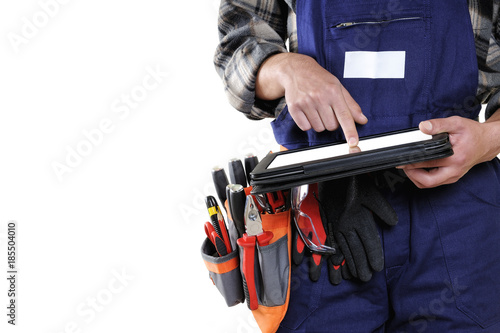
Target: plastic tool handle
277	201
264	238
248	245
219	244
251	162
237	199
213	209
225	236
236	172
220	182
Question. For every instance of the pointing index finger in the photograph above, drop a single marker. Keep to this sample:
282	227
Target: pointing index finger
344	116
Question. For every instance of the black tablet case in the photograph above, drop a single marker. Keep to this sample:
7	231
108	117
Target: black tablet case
269	180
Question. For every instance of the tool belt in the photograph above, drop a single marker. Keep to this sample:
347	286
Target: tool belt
267	290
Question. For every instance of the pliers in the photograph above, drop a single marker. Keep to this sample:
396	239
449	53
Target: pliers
254	235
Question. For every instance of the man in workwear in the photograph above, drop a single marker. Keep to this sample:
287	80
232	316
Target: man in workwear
361	67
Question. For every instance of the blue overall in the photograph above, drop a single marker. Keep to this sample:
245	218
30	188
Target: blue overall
442	260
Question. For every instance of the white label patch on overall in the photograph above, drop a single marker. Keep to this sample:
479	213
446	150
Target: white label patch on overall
375	65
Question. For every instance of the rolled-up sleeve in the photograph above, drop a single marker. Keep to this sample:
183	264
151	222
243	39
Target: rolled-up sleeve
486	28
489	85
493	105
249	32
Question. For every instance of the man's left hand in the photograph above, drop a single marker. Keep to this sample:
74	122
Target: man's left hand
472	143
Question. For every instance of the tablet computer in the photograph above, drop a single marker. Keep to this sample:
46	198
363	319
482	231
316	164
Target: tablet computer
287	169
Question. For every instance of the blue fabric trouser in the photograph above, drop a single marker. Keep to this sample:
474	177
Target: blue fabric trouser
442	266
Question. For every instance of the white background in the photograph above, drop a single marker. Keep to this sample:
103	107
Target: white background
133	205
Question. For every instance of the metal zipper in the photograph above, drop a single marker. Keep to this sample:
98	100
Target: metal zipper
349	24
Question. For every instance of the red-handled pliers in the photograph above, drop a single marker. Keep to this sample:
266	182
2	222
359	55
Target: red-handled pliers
254	235
277	201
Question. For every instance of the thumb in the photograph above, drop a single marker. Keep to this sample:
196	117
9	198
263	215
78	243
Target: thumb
428	126
439	125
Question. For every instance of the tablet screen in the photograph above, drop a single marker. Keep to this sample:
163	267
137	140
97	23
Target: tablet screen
314	154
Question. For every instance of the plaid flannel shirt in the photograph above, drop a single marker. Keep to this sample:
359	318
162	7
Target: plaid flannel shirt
252	30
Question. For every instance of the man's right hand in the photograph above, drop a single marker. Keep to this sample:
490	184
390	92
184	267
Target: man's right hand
315	98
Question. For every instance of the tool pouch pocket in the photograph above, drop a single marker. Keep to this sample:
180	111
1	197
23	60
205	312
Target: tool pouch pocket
272	272
274	267
224	272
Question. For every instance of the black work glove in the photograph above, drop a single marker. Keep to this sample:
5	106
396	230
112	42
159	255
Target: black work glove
337	268
336	262
351	206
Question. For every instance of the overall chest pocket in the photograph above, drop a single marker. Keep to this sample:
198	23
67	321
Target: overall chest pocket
382	62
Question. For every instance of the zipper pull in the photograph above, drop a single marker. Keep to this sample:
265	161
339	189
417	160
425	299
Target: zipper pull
346	24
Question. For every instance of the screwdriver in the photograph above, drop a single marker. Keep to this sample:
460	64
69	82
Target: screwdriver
237	198
251	162
220	182
213	213
218	221
237	172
